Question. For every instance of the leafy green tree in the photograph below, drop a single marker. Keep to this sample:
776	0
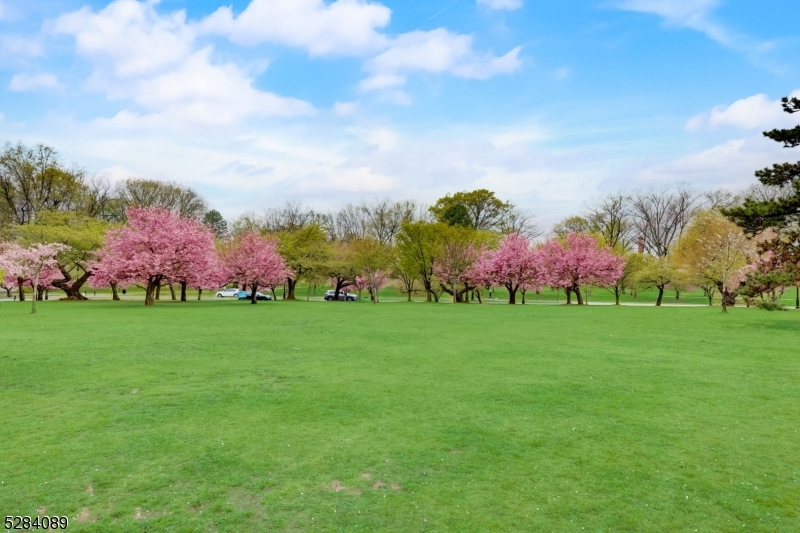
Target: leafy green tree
417	246
213	219
781	211
457	215
634	263
82	234
486	211
574	224
306	253
656	272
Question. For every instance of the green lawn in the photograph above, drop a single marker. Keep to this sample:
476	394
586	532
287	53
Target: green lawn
294	416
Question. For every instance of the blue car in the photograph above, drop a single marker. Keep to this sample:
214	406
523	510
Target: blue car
244	295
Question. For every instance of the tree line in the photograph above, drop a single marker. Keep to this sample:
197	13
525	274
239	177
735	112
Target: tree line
78	229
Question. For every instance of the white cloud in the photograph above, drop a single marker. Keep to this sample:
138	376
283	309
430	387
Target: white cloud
693	14
25	82
754	112
151	59
130	36
345	109
346	27
501	4
435	51
381	81
15	46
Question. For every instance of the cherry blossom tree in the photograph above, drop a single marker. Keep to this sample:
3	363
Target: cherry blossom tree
360	284
578	261
254	261
375	280
155	246
454	268
27	265
515	265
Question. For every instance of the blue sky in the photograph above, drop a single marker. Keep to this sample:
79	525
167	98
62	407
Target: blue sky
550	104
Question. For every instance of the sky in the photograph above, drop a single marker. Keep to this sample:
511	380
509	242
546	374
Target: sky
256	102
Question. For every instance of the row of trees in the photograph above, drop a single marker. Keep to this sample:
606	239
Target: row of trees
668	238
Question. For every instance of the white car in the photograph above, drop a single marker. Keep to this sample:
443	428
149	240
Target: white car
228	293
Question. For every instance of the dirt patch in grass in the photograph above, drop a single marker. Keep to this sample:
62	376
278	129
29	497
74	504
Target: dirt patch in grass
337	486
395	486
135	391
366	475
378	485
85	516
41	510
90	490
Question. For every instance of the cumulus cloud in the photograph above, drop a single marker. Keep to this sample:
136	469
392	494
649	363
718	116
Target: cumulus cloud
26	82
435	51
754	112
129	36
151	59
343	27
501	4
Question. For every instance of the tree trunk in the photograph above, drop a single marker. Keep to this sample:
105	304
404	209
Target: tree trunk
616	298
172	292
33	297
290	285
480	299
158	291
72	288
253	299
577	291
523	291
660	296
512	293
199	293
151	292
183	291
568	292
677	294
710	298
39	293
20	284
728	300
409	295
428	291
114	294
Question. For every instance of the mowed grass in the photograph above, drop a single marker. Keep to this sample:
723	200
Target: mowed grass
296	416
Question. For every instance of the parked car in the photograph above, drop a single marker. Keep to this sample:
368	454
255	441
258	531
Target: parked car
227	293
343	296
244	295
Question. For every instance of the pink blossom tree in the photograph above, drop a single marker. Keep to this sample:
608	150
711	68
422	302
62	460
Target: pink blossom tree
454	268
359	284
513	265
578	261
155	246
375	280
26	265
254	261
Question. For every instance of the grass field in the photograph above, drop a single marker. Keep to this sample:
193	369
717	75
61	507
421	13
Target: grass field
296	416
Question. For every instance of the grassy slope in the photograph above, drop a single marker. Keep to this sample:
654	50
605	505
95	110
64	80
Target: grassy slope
224	416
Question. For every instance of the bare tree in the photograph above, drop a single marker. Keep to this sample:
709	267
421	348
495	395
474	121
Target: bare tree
290	217
32	179
520	222
151	193
385	218
349	223
660	214
609	217
719	199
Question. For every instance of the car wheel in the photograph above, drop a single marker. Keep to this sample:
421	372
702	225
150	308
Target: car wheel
219	295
